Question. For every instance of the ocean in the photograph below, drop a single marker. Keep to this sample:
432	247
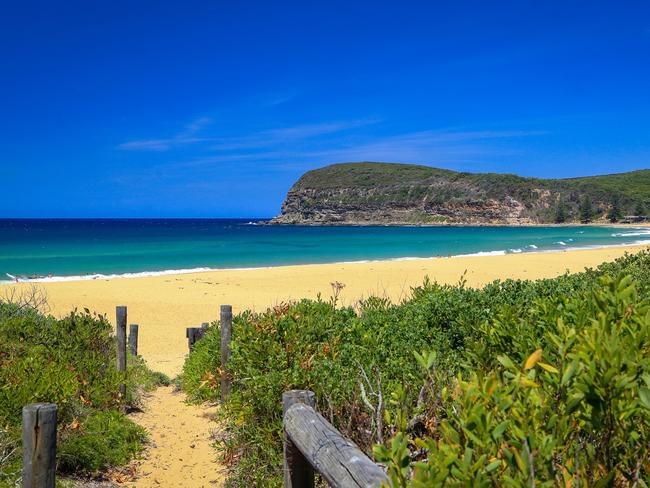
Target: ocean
62	249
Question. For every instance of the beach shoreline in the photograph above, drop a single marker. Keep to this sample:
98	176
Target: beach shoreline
203	269
165	305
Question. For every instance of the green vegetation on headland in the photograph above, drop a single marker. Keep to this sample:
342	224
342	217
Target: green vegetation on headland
544	380
358	193
70	362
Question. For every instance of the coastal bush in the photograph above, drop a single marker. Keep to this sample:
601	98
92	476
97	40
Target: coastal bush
430	379
70	362
105	439
576	411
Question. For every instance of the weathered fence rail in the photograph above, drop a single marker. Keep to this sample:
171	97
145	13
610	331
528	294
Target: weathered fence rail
312	444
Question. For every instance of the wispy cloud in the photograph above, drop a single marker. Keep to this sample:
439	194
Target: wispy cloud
433	146
452	147
295	148
272	158
265	138
196	125
312	130
290	136
189	135
280	99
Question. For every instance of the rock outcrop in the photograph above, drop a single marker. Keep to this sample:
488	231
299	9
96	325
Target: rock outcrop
386	193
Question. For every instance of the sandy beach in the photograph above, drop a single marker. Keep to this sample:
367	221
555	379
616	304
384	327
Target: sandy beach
164	306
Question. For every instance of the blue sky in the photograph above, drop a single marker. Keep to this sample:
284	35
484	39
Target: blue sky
213	109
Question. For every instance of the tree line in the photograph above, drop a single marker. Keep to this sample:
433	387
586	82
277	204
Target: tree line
587	212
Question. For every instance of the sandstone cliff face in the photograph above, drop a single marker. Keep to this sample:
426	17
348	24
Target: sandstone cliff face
436	203
383	193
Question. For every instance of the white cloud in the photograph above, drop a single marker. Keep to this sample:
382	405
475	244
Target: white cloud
265	138
186	137
310	145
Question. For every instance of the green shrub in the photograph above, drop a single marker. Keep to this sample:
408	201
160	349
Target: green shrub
104	440
70	362
370	384
583	417
9	460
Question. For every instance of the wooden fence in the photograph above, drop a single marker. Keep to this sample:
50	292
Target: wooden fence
311	443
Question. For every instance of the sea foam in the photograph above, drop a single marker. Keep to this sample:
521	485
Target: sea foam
634	233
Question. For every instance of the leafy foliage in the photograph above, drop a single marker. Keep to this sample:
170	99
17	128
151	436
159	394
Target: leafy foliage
549	372
106	439
70	362
614	214
583	417
560	213
640	209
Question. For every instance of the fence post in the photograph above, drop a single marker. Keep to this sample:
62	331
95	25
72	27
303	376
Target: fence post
121	343
133	339
226	335
191	333
39	445
200	332
298	473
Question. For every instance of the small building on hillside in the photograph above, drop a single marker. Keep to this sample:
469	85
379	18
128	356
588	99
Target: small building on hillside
635	219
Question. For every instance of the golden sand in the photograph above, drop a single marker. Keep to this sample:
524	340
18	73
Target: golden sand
164	306
180	453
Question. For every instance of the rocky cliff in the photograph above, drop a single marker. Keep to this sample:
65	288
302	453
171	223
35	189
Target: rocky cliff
387	193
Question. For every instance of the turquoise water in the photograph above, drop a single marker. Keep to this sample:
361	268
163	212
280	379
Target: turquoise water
73	248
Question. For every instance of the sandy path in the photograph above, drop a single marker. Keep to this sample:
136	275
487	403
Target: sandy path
181	452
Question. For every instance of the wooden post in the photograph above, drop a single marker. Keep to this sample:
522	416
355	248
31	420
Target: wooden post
133	339
192	336
200	332
203	330
121	343
39	445
226	335
298	473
